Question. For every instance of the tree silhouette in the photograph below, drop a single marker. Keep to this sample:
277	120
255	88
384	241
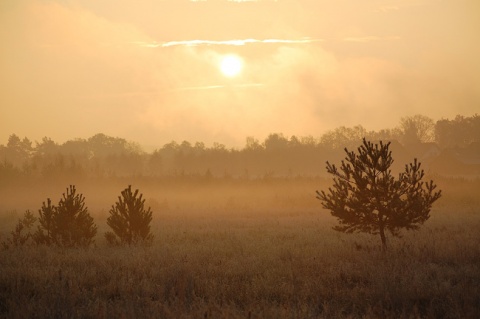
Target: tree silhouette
417	129
459	132
69	224
22	234
129	220
365	197
45	231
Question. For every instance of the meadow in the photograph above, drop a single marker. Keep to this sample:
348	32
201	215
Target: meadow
227	248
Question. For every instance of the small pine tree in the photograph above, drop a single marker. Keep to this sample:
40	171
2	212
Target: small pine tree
69	224
22	234
365	197
45	231
129	220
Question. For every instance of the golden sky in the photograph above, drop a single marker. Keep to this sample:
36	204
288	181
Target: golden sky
150	70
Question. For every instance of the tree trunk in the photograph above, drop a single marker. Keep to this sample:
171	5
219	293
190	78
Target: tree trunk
382	236
381	228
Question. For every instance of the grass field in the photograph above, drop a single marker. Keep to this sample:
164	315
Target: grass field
258	250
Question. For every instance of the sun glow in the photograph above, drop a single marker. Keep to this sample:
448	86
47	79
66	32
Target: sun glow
231	65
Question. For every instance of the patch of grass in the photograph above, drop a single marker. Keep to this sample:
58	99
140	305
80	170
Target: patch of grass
268	266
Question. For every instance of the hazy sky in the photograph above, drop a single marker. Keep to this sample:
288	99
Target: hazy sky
149	71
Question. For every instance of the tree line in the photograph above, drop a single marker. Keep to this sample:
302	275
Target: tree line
106	156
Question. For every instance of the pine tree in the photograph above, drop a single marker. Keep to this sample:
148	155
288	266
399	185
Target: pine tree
365	197
44	234
129	220
69	224
21	235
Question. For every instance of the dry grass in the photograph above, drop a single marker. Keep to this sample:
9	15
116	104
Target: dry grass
266	254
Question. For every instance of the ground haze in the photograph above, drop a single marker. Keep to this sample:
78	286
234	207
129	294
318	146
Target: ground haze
243	248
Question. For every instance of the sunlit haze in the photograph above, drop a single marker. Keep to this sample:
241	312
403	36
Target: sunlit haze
220	71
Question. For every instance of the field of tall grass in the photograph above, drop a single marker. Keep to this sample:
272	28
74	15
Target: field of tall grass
250	249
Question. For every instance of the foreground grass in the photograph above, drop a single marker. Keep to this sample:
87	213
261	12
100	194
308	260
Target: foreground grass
260	249
253	264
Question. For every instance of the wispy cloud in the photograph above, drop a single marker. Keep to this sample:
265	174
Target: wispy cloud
370	39
237	42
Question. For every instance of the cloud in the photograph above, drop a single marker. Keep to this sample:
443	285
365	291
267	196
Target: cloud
365	39
239	42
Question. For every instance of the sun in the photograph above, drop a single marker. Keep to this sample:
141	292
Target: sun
231	65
